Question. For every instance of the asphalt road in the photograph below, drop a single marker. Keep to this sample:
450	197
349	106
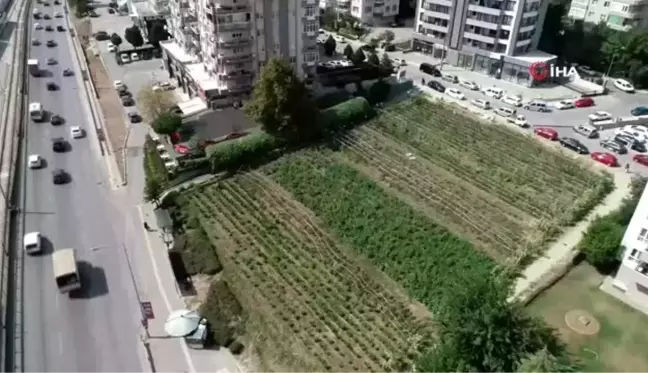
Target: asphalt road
98	331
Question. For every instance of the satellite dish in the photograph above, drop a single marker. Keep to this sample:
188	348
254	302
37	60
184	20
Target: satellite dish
182	323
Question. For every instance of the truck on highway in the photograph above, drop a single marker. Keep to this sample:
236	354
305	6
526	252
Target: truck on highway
66	271
34	70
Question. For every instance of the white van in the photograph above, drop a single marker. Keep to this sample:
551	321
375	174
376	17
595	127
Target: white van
482	104
587	130
66	272
505	111
32	243
512	100
540	106
493	92
36	111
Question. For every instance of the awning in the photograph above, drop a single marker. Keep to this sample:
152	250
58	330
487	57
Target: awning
191	107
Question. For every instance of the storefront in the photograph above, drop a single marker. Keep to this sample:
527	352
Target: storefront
517	74
487	65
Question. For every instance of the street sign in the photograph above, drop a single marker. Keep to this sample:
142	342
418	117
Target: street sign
147	309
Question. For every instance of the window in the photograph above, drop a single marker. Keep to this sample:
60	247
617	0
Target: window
367	9
625	8
606	4
642	234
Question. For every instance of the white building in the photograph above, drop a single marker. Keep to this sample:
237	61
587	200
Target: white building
621	15
495	37
373	12
219	46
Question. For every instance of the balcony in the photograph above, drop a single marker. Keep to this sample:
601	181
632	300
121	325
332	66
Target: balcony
483	24
483	9
479	37
229	9
233	43
439	15
236	75
236	59
315	2
233	26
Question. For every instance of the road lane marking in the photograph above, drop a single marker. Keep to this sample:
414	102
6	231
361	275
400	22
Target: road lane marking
60	339
156	273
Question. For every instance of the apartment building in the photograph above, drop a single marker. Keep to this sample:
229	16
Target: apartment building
622	15
219	46
372	12
494	37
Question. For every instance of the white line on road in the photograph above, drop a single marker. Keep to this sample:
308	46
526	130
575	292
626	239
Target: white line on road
60	339
185	349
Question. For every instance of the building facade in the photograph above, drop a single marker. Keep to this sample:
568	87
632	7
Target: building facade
372	12
494	37
620	15
219	46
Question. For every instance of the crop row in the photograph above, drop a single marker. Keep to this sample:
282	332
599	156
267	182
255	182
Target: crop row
422	256
305	277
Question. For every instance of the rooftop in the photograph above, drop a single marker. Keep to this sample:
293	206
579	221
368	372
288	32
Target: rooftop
201	77
535	56
178	52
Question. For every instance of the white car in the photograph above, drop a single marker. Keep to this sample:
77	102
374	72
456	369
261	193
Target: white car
164	86
111	47
76	132
38	26
564	104
134	57
599	115
399	62
58	15
34	161
518	120
624	85
118	84
483	104
124	58
469	85
512	100
455	93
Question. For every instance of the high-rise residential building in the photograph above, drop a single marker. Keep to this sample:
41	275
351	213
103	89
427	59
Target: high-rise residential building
494	37
373	12
621	15
219	46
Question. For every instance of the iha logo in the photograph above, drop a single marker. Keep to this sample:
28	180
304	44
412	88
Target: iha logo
541	71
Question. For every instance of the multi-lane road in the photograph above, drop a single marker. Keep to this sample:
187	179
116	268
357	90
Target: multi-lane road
100	330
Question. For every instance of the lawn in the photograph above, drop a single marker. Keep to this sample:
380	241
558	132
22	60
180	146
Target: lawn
621	344
321	307
503	191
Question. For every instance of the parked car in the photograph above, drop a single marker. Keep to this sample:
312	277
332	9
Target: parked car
483	104
512	100
584	102
450	78
547	133
573	144
605	158
430	69
436	86
124	58
455	93
493	92
631	143
111	47
68	72
34	161
49	28
60	28
56	120
564	104
128	101
639	111
642	159
599	116
134	117
469	85
614	146
519	120
51	86
624	85
101	36
111	11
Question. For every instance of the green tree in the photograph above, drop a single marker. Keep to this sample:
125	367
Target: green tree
552	39
153	103
544	361
387	36
625	54
157	34
373	59
329	46
281	103
348	52
378	92
329	19
358	57
386	63
116	40
134	36
166	123
601	242
153	190
82	8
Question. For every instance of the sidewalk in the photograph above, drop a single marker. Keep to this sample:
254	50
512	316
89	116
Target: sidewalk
158	286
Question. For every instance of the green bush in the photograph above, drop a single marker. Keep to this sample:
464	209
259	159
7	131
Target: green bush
378	92
331	99
250	150
347	114
153	163
224	313
193	164
198	253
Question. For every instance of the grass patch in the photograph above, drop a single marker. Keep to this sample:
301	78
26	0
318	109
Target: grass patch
224	313
621	343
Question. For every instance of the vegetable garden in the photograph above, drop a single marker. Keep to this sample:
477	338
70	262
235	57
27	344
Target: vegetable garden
506	192
321	307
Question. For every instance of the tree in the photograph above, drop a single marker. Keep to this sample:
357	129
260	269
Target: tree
329	19
348	52
157	34
116	40
386	63
153	190
373	59
329	46
544	361
154	103
81	8
194	142
387	36
601	242
134	36
358	57
281	103
166	123
623	53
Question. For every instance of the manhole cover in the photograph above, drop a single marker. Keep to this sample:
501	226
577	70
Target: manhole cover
582	322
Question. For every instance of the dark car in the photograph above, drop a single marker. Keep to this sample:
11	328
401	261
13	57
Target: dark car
51	61
134	117
59	145
57	2
51	86
51	43
111	11
368	48
60	28
47	16
639	110
614	146
93	14
630	142
436	86
45	3
56	120
59	176
573	144
101	36
49	28
429	69
123	93
128	101
68	72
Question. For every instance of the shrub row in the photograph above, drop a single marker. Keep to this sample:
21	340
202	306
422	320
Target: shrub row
153	163
248	150
346	115
225	315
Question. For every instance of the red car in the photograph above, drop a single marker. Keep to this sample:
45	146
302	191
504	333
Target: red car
584	102
547	133
605	158
641	159
182	149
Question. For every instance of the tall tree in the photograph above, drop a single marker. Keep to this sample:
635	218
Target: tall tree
388	36
329	46
281	103
157	34
386	63
153	189
329	19
601	243
626	54
348	52
166	123
134	36
358	56
116	40
153	103
555	25
544	361
373	59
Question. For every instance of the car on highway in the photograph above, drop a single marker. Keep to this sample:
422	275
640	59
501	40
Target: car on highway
547	133
35	42
51	61
47	16
630	142
58	15
68	72
430	70
584	102
639	111
32	243
59	145
49	28
623	85
111	11
45	3
512	100
77	132
519	120
34	161
51	86
38	26
56	120
614	146
436	86
134	117
469	85
573	144
537	105
59	176
450	78
564	104
642	159
51	43
599	116
128	101
605	158
60	28
455	93
482	104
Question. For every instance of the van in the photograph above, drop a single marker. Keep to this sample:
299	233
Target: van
493	92
505	111
450	78
540	106
482	104
587	130
429	69
32	243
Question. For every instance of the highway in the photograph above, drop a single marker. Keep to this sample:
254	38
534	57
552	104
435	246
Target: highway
98	331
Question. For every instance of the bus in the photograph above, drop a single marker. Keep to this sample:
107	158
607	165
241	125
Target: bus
36	111
66	272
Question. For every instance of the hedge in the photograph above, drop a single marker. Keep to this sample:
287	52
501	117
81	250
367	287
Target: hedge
328	100
224	313
153	162
248	150
346	115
